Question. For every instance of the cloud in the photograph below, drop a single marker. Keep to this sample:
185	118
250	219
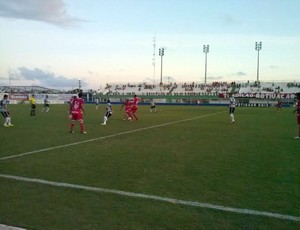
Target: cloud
274	66
240	73
215	78
229	20
50	11
45	78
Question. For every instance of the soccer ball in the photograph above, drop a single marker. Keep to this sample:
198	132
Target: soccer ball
129	118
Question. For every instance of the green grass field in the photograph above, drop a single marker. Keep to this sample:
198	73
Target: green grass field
189	153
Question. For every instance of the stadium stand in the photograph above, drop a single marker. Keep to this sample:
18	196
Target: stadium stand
28	89
198	89
173	88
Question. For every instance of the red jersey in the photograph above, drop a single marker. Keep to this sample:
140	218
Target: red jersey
298	112
76	105
298	107
136	101
127	105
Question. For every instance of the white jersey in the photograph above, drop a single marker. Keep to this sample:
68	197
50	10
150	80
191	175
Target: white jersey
46	101
232	102
152	102
3	105
108	107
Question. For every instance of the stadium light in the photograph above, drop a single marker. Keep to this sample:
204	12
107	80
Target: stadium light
161	54
258	46
79	85
205	50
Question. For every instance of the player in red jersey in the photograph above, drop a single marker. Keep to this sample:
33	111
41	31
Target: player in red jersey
278	106
135	101
297	110
76	110
127	104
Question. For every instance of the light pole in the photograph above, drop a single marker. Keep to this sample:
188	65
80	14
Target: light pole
258	46
79	85
161	54
205	50
153	59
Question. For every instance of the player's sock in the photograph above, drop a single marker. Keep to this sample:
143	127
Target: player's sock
72	126
135	116
231	118
81	127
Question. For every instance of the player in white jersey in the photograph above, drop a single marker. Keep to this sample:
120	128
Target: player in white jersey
108	112
97	103
152	105
46	104
232	105
4	111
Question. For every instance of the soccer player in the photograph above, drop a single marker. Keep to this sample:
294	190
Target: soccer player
232	104
108	112
127	104
278	106
152	105
46	104
135	101
297	110
97	103
5	113
32	102
76	109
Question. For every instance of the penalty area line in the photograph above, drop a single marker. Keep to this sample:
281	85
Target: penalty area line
155	198
105	137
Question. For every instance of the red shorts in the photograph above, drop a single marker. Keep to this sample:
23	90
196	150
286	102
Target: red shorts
76	116
298	119
128	111
134	109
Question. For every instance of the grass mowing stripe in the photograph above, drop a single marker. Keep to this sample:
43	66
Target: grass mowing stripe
153	197
105	137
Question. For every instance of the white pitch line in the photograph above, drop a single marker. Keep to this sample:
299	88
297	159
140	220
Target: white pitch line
6	227
156	198
105	137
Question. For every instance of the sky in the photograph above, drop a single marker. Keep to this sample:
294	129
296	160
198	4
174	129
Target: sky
59	43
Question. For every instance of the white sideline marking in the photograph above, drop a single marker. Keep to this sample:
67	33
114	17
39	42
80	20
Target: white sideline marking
156	198
105	137
5	227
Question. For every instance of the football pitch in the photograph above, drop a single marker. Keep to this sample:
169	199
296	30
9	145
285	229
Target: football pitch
184	167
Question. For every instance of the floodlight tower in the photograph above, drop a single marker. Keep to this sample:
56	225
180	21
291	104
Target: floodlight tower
153	58
205	50
161	54
79	85
258	46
